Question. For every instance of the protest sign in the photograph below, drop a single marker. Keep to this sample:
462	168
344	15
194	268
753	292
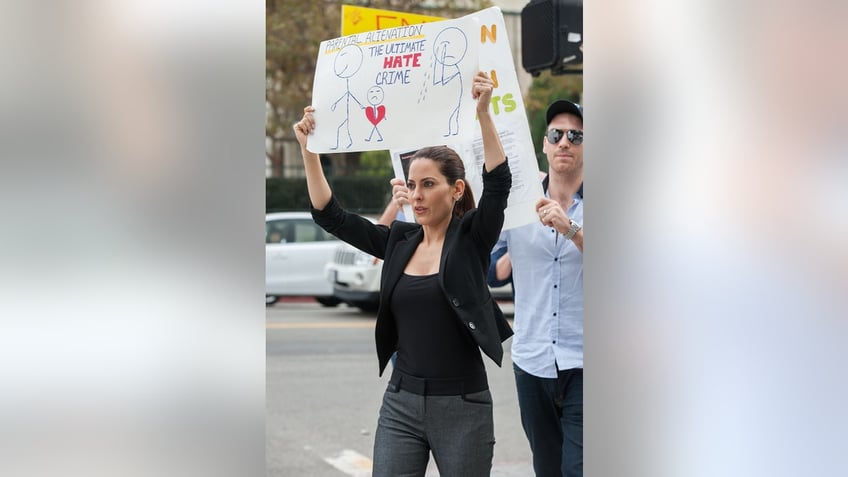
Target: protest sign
510	117
409	87
401	87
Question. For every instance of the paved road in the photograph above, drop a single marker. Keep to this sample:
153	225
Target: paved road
323	395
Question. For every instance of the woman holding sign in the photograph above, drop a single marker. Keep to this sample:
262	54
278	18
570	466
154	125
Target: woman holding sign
435	308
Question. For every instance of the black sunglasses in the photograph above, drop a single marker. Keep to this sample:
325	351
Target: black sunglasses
575	136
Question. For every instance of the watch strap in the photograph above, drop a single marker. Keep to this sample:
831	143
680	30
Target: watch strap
573	228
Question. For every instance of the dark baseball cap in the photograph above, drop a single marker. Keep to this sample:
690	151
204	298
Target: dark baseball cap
561	106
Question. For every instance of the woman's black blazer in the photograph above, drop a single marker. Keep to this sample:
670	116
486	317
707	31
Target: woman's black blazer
462	271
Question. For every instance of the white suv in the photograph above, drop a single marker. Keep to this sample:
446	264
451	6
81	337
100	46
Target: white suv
355	277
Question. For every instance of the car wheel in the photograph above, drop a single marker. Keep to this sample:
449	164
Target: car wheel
270	300
367	306
328	301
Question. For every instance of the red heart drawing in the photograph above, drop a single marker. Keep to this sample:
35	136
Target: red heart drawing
375	118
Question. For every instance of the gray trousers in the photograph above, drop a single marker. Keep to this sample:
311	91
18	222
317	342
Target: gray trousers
459	430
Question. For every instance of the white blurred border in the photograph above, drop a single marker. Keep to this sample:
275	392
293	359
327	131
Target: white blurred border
132	262
715	274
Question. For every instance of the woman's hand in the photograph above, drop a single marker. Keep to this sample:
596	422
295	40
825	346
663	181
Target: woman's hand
305	126
481	90
319	190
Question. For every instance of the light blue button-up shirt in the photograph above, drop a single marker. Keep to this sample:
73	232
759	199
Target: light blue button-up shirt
547	274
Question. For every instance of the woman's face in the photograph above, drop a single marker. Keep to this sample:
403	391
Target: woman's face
431	195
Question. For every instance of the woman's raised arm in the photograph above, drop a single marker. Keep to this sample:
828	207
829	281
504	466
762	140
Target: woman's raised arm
493	152
319	189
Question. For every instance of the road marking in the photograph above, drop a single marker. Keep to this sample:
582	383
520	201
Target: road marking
351	463
331	324
357	465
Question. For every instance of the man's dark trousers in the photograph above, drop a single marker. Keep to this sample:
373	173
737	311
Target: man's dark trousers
552	417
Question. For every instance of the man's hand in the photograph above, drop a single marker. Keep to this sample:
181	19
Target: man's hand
400	193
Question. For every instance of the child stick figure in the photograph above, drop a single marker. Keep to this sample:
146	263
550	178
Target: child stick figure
376	112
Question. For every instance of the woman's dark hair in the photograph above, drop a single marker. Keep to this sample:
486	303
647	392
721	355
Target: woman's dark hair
451	166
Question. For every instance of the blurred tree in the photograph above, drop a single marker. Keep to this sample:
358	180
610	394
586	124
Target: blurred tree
375	164
294	29
543	91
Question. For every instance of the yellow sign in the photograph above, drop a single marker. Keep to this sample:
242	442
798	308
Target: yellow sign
361	19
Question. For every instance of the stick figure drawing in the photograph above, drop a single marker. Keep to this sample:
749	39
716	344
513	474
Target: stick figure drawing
450	47
347	63
377	111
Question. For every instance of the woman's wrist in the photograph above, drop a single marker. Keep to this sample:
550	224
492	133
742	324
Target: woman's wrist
307	154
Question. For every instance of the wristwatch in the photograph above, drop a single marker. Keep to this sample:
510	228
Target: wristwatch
573	228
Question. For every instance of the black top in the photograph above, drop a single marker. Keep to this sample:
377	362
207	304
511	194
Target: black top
432	343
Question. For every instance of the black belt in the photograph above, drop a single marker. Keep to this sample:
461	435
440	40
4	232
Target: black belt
439	386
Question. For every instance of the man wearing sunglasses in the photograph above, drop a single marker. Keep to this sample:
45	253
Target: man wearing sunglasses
546	261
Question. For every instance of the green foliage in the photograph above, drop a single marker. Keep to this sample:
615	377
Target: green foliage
293	30
283	194
364	195
547	88
375	164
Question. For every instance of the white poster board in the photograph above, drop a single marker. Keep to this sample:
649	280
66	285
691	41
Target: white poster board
409	87
510	119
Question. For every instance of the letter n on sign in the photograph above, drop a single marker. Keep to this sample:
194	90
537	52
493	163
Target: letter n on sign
490	33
